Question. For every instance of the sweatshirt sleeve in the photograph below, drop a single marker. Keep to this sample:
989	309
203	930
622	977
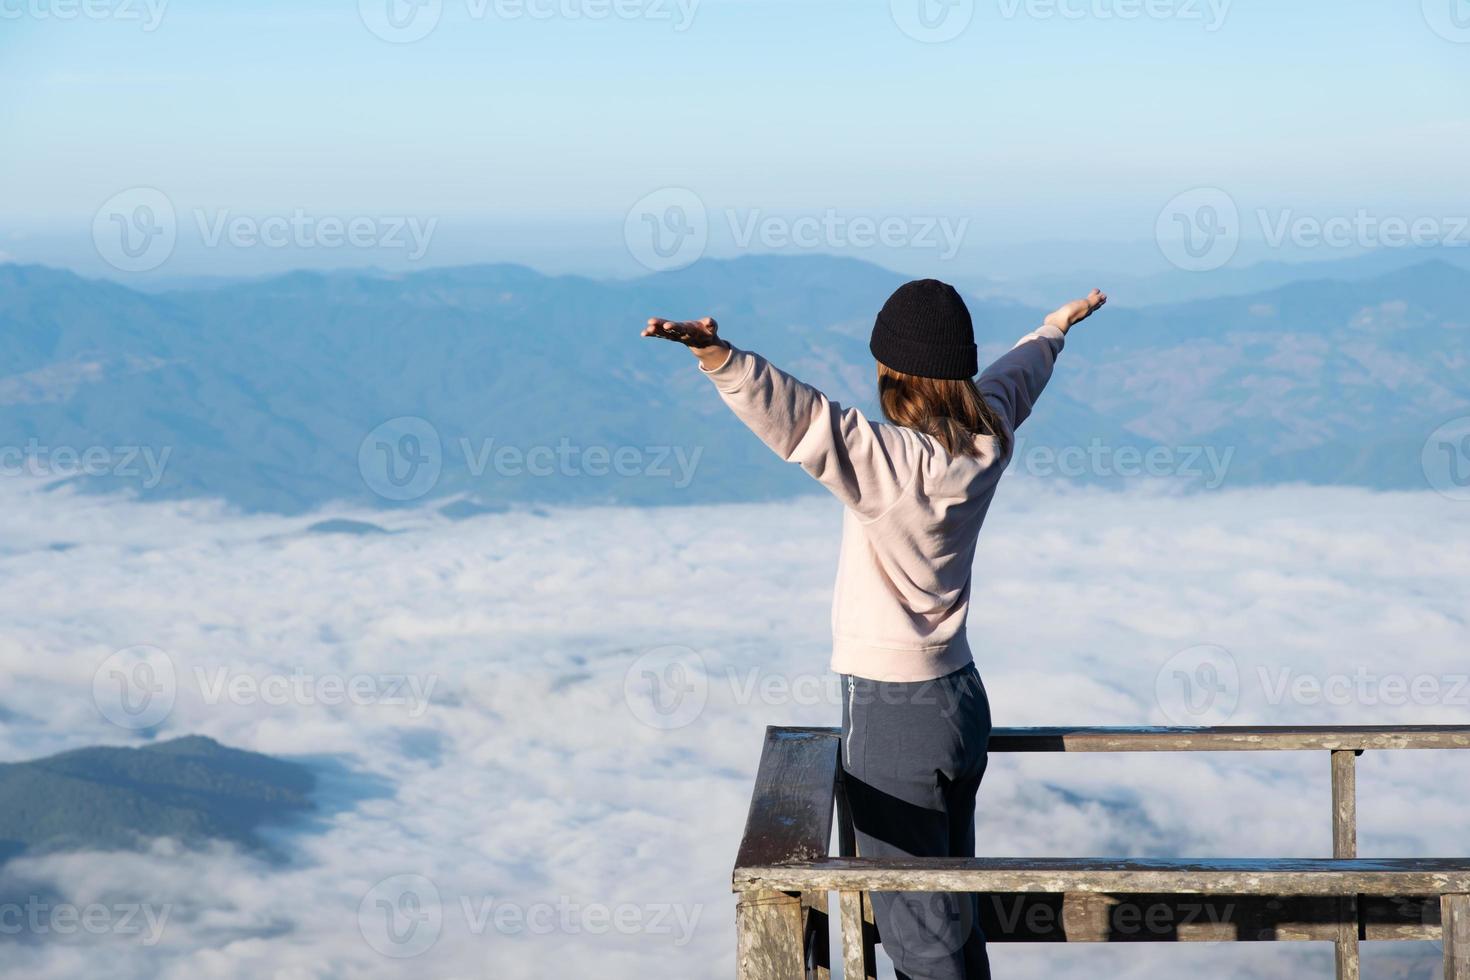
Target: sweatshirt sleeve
867	466
1013	383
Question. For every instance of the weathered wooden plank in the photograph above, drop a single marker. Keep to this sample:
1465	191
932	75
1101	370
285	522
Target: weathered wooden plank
1295	876
1455	920
1230	738
1017	917
1345	846
858	962
769	932
1344	804
1224	739
790	816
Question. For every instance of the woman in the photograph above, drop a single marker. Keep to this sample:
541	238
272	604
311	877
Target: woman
915	719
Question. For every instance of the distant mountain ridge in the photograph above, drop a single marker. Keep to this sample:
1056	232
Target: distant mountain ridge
191	789
511	387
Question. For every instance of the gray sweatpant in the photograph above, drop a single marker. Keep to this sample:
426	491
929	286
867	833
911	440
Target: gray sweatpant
913	755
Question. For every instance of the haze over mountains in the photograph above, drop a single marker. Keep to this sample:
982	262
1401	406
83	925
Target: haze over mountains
509	386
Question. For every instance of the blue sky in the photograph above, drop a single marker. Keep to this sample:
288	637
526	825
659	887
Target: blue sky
1043	119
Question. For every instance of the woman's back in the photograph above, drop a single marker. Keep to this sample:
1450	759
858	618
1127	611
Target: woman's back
914	509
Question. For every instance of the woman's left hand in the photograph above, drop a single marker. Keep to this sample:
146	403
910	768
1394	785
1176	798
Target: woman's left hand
1073	313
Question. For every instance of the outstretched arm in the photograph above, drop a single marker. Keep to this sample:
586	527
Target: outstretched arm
1013	383
866	466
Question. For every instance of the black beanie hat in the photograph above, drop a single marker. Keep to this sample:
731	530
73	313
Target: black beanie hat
925	330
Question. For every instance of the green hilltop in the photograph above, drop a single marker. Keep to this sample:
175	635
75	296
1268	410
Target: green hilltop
192	789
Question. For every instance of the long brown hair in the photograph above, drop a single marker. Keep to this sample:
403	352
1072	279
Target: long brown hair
953	412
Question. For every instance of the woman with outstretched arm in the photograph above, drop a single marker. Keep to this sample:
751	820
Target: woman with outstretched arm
915	717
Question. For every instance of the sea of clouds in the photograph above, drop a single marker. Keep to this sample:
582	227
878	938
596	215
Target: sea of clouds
537	729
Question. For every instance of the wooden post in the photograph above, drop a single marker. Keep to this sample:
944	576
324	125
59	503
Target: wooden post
858	960
870	937
1454	918
1345	846
770	930
782	932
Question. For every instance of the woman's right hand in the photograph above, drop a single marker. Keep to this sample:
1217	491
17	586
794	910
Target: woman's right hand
702	337
1070	314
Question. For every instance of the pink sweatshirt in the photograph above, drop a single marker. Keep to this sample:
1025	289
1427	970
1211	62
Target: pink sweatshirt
912	512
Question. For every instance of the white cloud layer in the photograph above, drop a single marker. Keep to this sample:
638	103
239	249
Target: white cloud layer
495	759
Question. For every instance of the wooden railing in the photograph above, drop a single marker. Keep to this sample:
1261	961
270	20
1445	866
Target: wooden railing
784	874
